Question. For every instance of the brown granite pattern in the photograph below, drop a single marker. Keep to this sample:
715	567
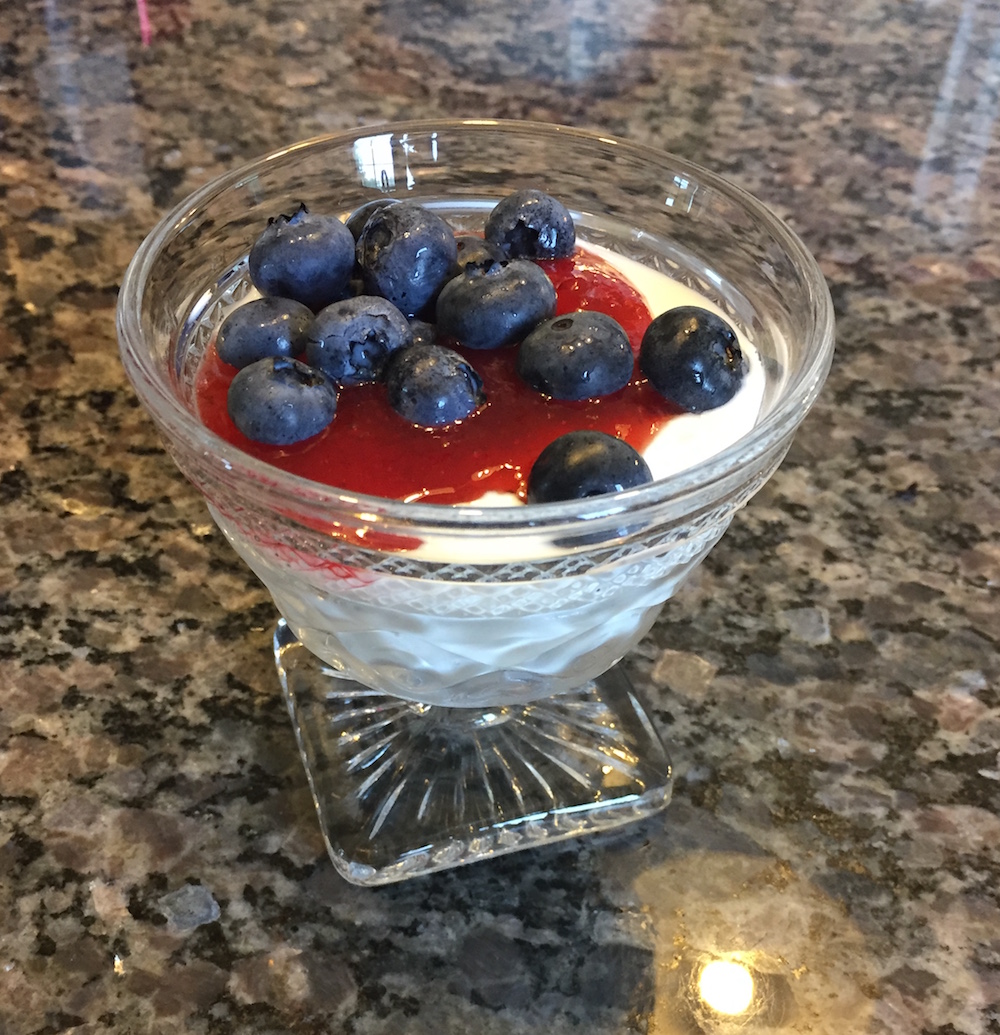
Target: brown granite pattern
829	682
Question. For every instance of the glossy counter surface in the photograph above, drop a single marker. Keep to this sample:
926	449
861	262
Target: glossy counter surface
827	683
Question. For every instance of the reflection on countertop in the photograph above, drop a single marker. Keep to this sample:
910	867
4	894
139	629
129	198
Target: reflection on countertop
827	682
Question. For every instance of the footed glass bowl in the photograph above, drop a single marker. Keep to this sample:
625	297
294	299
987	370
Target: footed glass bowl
450	671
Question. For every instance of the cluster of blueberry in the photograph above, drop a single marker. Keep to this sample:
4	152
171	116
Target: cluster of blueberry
353	299
372	298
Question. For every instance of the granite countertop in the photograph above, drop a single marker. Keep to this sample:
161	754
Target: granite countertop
827	682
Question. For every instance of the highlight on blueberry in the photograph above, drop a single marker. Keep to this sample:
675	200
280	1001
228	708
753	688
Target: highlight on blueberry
406	253
351	340
586	463
581	355
530	224
692	357
279	401
262	327
492	304
303	256
431	386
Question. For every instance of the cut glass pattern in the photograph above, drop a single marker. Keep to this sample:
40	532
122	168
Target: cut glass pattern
403	789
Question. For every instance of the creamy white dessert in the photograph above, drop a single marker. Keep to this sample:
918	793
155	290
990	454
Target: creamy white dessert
538	621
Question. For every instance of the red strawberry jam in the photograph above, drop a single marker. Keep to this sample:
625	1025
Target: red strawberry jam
369	449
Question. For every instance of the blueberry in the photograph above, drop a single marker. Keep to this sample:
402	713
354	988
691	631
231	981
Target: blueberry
263	327
430	385
475	249
530	224
355	222
495	303
406	253
581	355
350	341
279	401
585	463
303	256
424	333
692	358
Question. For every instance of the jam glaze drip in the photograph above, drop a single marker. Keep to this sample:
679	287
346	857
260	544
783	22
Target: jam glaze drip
369	449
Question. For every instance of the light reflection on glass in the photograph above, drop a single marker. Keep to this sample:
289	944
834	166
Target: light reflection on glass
681	194
373	156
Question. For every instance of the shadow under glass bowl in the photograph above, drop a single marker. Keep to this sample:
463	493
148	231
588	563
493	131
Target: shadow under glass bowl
465	622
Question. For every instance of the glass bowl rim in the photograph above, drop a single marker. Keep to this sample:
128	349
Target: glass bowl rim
168	412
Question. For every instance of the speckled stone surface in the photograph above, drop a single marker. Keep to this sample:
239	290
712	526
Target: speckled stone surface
829	682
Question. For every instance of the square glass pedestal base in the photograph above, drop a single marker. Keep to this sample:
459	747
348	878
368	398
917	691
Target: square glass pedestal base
403	789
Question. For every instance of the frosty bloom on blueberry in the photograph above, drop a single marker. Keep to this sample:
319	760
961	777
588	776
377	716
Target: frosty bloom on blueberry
581	355
585	463
494	303
530	224
406	253
303	256
693	358
431	386
350	341
280	401
263	327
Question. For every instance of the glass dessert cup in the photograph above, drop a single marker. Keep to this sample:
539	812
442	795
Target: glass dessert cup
451	672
